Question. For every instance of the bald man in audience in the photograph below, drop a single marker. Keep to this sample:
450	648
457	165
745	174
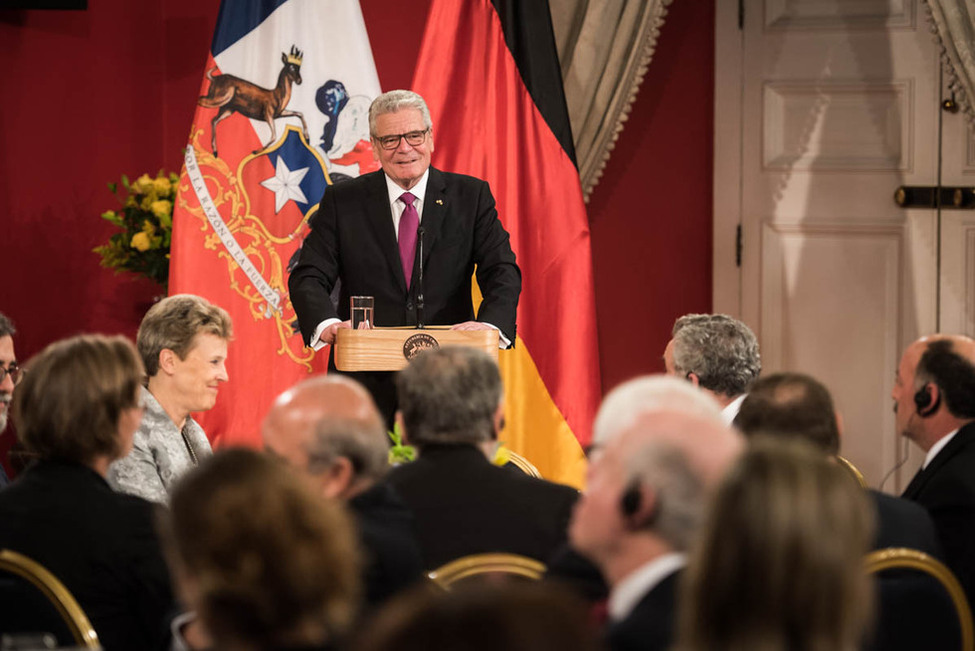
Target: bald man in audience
797	405
452	409
647	487
328	428
934	399
717	353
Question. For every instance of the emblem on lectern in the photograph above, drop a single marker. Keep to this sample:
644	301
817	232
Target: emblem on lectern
418	343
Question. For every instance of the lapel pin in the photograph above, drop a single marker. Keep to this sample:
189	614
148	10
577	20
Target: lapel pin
439	202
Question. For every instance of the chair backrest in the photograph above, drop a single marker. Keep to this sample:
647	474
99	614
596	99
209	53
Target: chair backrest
523	464
920	602
490	567
853	470
45	583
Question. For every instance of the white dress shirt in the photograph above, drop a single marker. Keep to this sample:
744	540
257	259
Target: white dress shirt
936	448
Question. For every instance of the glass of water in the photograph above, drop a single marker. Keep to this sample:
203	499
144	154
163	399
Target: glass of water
362	312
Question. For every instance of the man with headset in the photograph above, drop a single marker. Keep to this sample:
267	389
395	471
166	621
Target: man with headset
647	486
934	399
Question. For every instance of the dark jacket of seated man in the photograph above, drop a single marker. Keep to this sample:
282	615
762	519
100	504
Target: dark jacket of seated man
463	504
452	409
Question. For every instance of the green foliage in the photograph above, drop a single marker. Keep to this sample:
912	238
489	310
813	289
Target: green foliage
399	452
145	227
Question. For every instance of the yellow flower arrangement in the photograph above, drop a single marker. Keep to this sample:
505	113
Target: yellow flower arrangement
145	224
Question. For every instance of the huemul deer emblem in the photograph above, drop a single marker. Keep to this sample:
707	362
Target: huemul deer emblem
232	94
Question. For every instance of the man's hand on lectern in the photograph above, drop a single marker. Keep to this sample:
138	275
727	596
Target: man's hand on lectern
471	325
328	334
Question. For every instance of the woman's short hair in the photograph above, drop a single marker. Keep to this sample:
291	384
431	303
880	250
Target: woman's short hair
265	555
779	564
173	322
69	403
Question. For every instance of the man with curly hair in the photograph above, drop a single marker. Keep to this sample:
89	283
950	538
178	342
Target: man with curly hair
717	353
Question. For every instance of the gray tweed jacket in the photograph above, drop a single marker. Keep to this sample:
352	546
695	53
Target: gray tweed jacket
161	454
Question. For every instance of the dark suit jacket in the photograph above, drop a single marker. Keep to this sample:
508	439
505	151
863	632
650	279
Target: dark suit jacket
353	239
902	523
463	504
100	544
946	488
650	626
388	538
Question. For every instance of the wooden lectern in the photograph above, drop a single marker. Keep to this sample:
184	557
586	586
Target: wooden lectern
390	349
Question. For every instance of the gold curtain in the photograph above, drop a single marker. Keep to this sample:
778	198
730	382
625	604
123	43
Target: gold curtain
605	47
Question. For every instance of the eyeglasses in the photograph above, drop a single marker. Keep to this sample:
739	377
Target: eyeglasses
413	139
15	372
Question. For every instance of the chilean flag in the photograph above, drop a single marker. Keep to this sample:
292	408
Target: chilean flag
283	111
489	71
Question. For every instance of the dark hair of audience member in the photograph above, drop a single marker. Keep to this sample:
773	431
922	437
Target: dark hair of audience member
791	404
264	561
779	565
68	405
449	395
514	616
7	328
954	375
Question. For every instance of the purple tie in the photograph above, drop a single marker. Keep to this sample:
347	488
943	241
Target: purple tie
408	224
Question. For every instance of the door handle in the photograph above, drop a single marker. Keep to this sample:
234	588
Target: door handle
935	196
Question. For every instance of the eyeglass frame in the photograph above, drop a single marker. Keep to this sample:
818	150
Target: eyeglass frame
15	371
400	136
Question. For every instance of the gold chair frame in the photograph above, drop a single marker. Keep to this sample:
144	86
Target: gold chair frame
55	592
450	573
904	558
853	470
523	464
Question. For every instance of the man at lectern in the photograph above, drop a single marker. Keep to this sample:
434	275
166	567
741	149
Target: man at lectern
369	232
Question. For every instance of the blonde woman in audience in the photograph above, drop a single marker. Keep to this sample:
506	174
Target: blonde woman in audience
265	563
75	412
183	342
780	564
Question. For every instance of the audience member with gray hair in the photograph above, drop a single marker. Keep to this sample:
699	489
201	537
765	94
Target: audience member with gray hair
620	410
183	343
452	409
328	428
717	353
11	375
643	504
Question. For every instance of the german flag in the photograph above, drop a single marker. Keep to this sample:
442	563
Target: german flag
489	71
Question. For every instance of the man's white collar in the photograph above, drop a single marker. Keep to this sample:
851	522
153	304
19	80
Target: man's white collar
628	592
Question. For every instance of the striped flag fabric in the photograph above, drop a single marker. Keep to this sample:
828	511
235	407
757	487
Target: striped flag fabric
282	111
489	71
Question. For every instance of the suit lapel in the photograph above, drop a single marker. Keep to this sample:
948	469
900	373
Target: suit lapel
965	435
434	209
380	220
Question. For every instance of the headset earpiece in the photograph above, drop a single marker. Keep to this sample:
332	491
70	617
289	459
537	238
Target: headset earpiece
631	500
924	403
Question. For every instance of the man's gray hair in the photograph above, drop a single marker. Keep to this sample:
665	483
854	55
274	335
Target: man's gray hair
397	100
362	442
7	328
626	403
679	492
449	395
721	351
